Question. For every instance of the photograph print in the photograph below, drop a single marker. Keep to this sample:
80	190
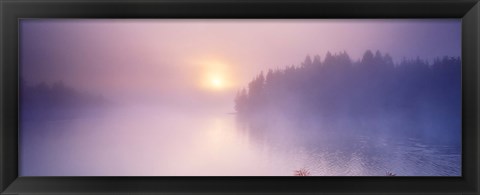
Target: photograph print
240	97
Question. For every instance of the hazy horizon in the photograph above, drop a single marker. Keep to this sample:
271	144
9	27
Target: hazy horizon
162	97
179	55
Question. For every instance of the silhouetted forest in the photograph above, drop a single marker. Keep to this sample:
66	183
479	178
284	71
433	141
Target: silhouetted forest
56	101
413	97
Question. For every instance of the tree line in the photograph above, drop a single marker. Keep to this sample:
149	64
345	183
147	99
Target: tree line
418	92
55	101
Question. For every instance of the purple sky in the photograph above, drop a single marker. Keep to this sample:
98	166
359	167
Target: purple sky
175	57
176	80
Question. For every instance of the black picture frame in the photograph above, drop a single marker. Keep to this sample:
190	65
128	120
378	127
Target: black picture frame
13	10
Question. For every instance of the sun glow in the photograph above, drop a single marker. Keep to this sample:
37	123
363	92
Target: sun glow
216	76
217	82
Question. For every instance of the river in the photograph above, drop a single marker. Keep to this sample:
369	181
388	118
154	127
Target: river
141	141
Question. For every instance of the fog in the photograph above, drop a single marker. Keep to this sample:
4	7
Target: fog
240	97
139	141
150	57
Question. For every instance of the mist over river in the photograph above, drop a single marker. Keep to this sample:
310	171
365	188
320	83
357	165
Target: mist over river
148	141
240	97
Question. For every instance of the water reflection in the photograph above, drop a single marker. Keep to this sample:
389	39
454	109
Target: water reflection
327	153
156	142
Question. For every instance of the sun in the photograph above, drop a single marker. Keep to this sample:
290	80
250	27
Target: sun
215	76
216	82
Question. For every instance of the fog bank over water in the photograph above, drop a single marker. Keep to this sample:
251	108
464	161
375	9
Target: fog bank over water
157	142
240	97
276	130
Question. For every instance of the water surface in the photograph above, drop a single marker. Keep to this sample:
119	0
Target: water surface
142	141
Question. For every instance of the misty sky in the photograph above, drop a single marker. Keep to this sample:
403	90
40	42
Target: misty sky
170	84
175	60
